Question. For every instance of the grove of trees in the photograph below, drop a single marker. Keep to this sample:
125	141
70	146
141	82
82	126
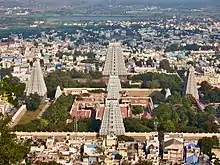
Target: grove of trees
11	88
159	80
207	143
55	117
71	79
209	94
176	115
12	151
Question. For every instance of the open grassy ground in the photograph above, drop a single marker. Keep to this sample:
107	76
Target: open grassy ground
31	115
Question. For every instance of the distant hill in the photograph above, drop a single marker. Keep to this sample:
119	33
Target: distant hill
60	3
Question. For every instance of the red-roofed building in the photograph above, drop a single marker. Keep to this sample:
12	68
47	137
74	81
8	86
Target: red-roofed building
80	113
92	104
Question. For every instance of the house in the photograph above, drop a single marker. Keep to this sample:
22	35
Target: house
173	150
152	149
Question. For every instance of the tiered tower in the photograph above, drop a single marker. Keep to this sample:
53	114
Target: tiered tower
36	83
114	64
191	86
112	121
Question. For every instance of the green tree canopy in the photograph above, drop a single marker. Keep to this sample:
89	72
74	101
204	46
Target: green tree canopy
70	79
12	151
32	102
173	82
12	88
137	109
207	143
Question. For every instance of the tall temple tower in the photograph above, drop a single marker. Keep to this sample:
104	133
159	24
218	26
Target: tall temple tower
36	83
191	86
112	121
114	64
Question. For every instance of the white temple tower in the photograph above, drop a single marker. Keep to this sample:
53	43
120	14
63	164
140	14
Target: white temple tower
114	63
191	85
36	83
112	121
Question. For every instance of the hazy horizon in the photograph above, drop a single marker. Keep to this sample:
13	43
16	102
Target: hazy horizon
59	3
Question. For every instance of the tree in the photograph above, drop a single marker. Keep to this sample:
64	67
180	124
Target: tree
217	162
118	157
205	87
190	47
5	72
12	151
207	143
173	82
157	97
32	102
137	109
138	125
165	64
149	62
12	89
59	112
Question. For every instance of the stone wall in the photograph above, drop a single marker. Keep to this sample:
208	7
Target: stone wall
18	115
142	136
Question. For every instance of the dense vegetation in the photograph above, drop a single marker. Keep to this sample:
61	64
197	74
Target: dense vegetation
209	94
207	143
11	89
12	151
160	80
71	79
189	47
137	109
54	119
176	115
